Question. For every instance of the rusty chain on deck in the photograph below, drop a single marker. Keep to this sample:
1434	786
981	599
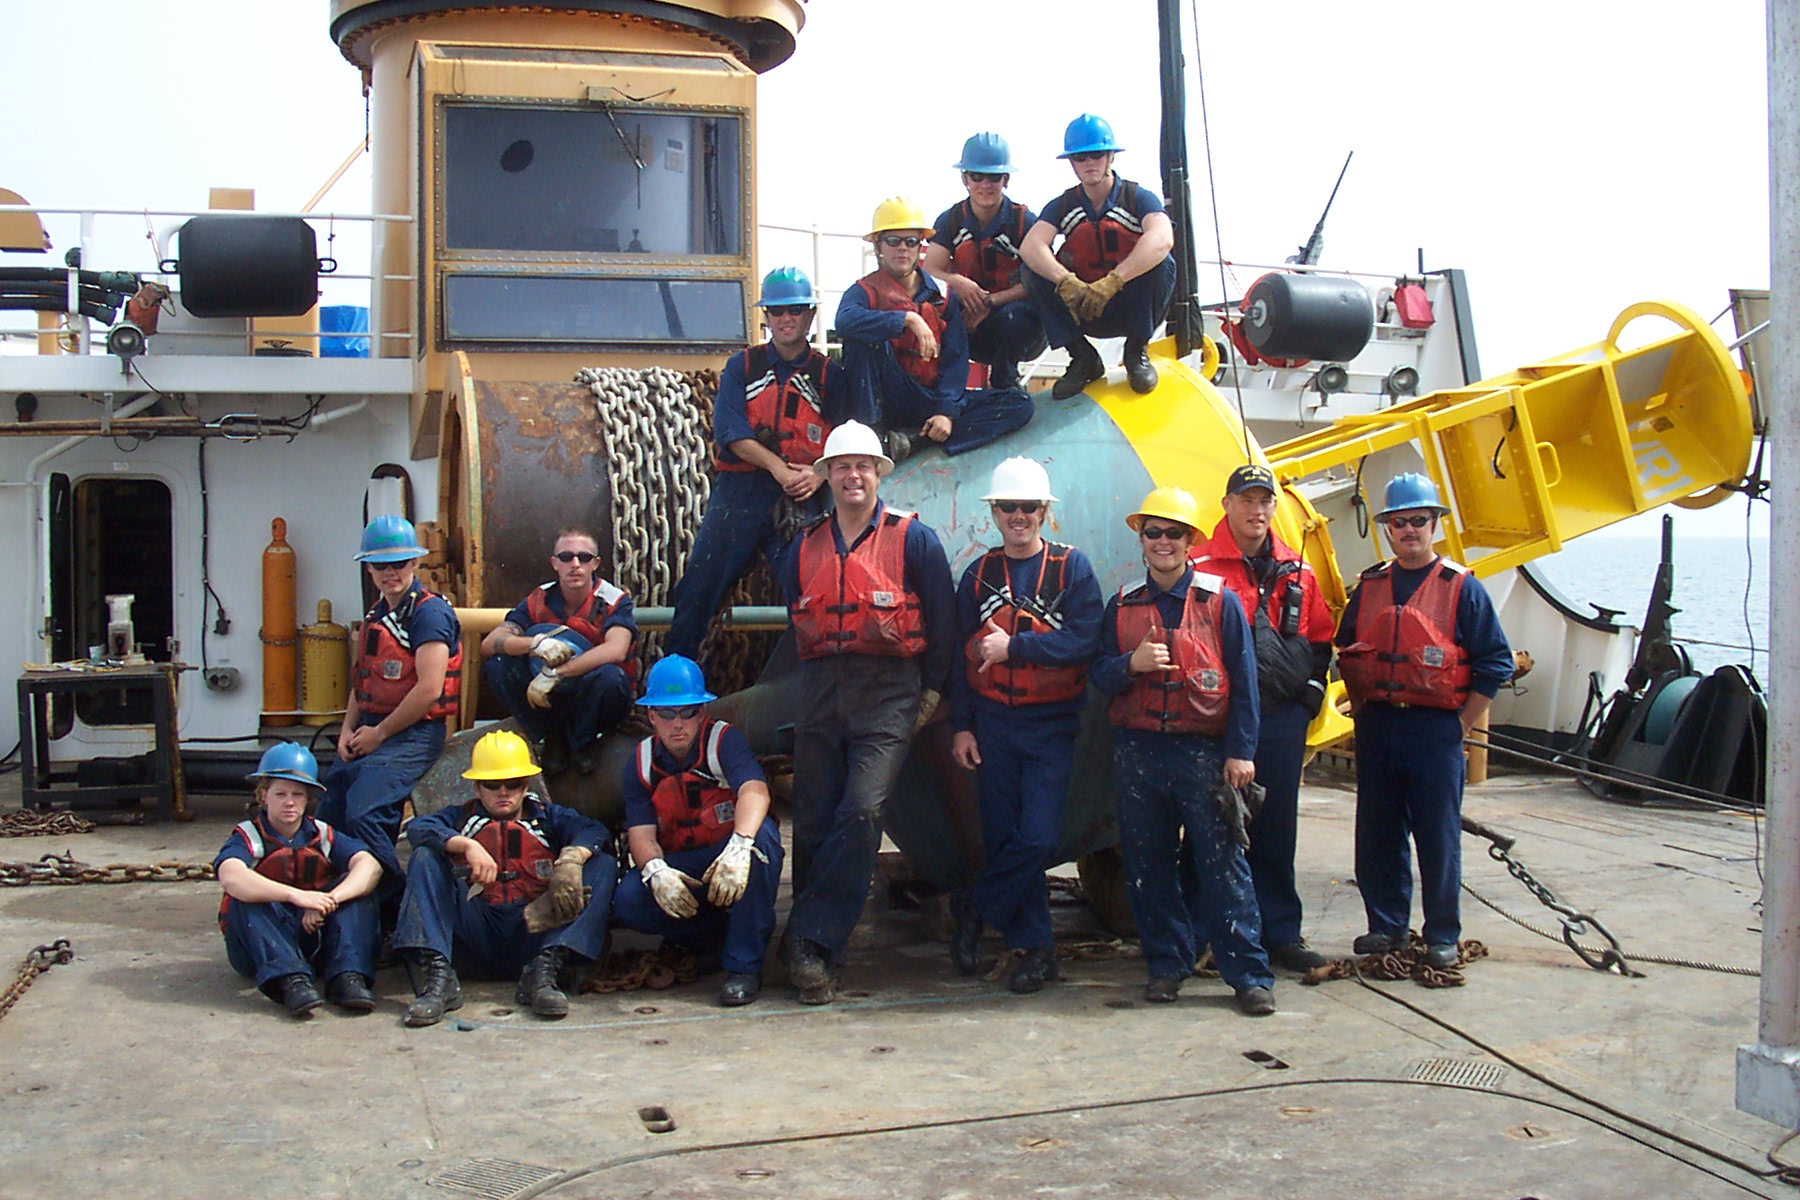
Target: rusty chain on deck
62	870
39	960
31	822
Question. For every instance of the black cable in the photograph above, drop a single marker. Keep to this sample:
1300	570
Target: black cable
205	563
7	767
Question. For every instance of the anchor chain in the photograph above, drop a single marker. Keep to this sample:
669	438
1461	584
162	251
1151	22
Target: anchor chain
1575	923
62	870
39	960
31	822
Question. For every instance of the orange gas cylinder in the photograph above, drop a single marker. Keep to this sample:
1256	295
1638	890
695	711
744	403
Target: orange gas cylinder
279	622
324	669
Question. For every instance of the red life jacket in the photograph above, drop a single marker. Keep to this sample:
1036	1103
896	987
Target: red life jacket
1015	682
857	603
695	807
1194	697
520	847
992	262
886	294
1407	654
791	414
1093	246
386	669
307	866
590	622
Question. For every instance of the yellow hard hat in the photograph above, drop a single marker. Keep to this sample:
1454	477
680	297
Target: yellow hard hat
1171	503
897	212
501	754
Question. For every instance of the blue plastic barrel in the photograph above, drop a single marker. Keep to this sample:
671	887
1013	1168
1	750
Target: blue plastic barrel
341	319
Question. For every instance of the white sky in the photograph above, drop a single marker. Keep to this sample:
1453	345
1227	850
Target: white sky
1572	156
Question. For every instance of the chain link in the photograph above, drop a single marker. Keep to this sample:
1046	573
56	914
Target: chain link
1575	923
30	822
62	870
39	960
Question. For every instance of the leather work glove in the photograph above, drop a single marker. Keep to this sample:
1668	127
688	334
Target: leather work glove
565	882
1241	806
1098	294
671	889
538	693
729	874
928	706
1073	293
541	915
552	650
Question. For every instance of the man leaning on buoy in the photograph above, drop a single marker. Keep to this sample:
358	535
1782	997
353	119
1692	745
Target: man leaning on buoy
1422	655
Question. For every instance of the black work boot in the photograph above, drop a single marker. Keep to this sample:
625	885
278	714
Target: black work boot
1379	943
806	966
350	991
1003	375
740	988
1037	968
299	994
537	984
1138	371
1296	956
1084	367
897	444
965	942
435	986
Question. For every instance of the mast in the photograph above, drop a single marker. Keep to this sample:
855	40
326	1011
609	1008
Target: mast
1184	309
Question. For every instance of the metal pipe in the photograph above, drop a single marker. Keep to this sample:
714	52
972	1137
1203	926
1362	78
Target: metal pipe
479	622
326	418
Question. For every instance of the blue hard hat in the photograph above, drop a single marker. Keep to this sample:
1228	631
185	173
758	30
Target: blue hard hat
1088	134
289	760
986	152
786	285
1410	490
673	682
390	540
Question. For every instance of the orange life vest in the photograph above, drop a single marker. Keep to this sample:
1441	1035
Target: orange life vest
589	622
1093	246
1407	653
386	668
694	807
1194	696
857	603
520	848
886	294
992	262
306	866
790	414
1015	682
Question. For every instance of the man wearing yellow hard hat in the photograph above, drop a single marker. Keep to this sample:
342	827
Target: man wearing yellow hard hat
1179	661
534	901
906	349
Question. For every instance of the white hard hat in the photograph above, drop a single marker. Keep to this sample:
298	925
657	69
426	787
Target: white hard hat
1019	479
853	437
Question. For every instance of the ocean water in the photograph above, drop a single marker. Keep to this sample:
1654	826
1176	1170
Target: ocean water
1711	574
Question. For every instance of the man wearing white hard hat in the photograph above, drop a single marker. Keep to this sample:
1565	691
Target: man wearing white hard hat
906	348
874	619
1029	613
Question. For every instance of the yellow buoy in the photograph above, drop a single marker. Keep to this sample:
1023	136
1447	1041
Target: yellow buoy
324	668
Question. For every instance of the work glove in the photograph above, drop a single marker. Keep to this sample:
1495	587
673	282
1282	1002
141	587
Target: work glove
565	882
928	706
1073	293
729	874
1240	806
552	650
670	888
1098	294
538	693
541	915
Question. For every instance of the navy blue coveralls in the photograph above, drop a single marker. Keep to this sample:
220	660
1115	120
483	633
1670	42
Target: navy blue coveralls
1012	332
486	940
266	941
740	513
1166	785
884	396
1409	776
581	708
1027	751
744	929
1138	308
851	739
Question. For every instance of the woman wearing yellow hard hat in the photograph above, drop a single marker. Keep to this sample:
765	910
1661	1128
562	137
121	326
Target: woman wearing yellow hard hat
1178	658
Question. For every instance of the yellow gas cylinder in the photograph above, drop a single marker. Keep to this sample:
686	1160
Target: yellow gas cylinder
279	621
324	669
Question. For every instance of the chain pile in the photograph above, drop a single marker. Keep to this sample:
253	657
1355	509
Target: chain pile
34	964
1401	964
62	870
30	822
630	970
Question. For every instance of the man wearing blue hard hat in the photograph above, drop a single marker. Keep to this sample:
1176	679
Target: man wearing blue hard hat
298	903
1113	274
697	819
406	682
1422	655
776	404
562	659
975	250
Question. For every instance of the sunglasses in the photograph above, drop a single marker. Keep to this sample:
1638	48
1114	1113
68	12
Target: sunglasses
1087	157
1409	522
1156	533
789	310
1010	507
502	785
985	177
894	242
685	712
580	556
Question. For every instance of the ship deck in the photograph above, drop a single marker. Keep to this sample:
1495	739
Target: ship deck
145	1065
